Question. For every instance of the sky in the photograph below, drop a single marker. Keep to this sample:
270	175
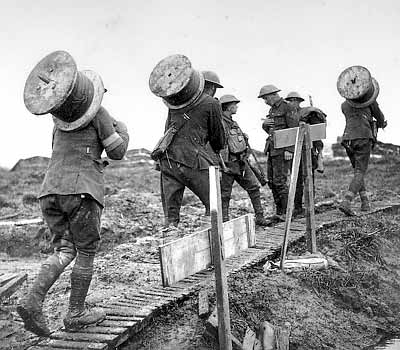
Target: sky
295	45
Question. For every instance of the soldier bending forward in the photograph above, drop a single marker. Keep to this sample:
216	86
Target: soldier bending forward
72	194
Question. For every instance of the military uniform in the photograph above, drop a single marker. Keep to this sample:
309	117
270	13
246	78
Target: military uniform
187	159
239	171
72	194
283	116
358	139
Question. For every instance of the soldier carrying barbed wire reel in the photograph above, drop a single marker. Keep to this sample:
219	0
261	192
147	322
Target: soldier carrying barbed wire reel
194	119
363	118
236	164
72	194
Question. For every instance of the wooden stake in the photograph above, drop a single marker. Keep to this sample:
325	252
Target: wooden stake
292	189
309	192
224	325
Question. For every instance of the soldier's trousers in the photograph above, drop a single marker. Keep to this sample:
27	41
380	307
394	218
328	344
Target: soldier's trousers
175	177
248	181
278	170
73	220
359	151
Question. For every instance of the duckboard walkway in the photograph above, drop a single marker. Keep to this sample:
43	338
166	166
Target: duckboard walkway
134	310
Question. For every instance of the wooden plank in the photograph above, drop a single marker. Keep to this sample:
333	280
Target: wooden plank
6	277
292	189
117	324
287	137
309	192
251	231
219	256
124	318
127	312
102	329
11	286
191	254
22	222
63	344
85	337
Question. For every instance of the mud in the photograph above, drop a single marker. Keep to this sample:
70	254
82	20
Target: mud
132	229
350	306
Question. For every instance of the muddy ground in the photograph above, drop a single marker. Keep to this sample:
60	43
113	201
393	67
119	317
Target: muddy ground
351	306
132	229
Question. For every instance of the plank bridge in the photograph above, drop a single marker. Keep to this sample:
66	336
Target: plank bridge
131	312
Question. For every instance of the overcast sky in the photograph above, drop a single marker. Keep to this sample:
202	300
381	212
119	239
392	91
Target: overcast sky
296	45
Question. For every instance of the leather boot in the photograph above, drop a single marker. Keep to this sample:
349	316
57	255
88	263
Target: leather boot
30	307
364	201
345	205
320	162
81	276
255	198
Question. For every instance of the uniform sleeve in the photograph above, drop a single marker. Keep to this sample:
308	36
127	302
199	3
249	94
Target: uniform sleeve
216	128
112	134
377	114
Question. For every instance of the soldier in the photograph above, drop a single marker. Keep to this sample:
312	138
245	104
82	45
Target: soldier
310	115
281	116
360	109
236	163
212	82
72	193
187	158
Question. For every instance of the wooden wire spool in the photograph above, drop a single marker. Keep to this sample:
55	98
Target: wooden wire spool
176	82
56	86
357	86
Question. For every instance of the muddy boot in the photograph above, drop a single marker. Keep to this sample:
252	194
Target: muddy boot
255	198
81	276
320	162
345	205
30	307
364	201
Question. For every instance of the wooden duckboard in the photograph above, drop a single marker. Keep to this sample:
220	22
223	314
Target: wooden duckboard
192	253
287	137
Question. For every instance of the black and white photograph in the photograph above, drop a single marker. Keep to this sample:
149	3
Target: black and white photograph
182	175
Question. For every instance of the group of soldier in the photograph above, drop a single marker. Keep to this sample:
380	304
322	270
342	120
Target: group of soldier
208	135
198	134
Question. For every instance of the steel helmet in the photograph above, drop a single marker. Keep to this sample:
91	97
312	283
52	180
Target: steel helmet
268	89
227	99
294	94
212	77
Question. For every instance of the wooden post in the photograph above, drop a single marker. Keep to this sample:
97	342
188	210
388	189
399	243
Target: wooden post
309	192
292	189
303	134
217	249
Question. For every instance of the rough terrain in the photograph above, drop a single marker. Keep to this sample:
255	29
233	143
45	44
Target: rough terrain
132	229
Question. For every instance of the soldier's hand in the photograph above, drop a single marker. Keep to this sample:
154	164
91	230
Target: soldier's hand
269	122
287	155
